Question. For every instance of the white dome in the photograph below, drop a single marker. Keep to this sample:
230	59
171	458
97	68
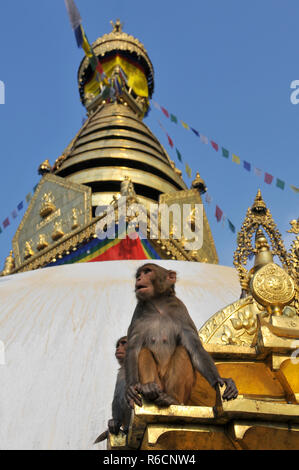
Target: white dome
59	326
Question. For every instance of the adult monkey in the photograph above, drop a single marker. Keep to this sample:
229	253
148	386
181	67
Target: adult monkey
164	349
121	412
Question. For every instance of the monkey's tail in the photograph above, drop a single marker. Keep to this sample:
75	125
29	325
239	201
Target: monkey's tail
101	437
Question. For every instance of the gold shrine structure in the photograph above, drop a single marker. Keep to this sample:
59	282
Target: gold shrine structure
255	340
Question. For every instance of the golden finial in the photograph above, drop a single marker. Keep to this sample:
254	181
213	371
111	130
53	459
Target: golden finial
44	168
117	27
264	254
9	264
259	206
199	184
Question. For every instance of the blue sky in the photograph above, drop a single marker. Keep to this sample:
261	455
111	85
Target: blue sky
225	68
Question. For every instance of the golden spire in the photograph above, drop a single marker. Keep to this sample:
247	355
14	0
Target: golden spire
44	168
263	255
9	265
259	206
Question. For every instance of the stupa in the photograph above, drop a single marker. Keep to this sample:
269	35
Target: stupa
58	325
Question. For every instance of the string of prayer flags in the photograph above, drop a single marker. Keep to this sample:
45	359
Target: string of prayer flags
268	178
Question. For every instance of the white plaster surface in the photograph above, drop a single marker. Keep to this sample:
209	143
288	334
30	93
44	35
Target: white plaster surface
58	327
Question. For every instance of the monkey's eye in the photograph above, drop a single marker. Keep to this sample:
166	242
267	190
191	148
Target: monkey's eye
147	270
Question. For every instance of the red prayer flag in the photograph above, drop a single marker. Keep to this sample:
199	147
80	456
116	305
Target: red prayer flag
268	178
214	145
6	222
165	111
218	213
170	141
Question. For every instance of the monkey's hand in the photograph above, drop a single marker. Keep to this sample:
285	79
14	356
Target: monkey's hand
231	391
151	391
133	396
114	426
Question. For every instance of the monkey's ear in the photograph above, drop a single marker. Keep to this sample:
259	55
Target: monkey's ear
171	276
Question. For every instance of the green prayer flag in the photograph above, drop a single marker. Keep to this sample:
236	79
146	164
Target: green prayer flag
231	226
279	183
179	155
225	153
173	118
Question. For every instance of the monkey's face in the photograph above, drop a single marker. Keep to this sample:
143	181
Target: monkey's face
121	347
152	281
144	286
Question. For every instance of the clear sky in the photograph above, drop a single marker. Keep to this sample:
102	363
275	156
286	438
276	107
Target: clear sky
223	67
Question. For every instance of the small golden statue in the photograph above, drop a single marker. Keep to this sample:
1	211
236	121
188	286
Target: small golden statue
57	232
199	184
48	205
127	188
42	242
28	251
44	168
75	218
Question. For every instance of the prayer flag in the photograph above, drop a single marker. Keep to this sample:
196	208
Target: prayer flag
173	118
28	197
170	141
164	111
279	183
268	178
225	153
34	188
195	131
188	170
20	206
235	159
179	155
294	188
0	230
73	13
246	165
6	222
208	198
204	139
14	214
214	145
157	106
185	125
231	226
257	171
218	213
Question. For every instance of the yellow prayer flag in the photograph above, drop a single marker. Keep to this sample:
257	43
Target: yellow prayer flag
185	125
294	188
235	159
188	170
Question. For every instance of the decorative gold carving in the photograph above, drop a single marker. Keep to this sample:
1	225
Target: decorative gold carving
42	242
273	287
57	232
295	226
117	26
48	205
48	219
258	216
